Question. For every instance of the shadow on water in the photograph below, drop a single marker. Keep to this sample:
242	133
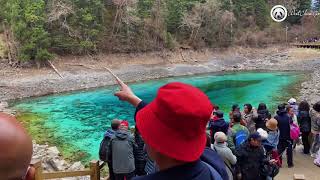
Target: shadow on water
227	84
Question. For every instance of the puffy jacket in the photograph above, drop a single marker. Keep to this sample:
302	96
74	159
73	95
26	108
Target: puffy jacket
122	150
273	138
260	120
304	121
218	125
232	134
250	160
283	125
315	121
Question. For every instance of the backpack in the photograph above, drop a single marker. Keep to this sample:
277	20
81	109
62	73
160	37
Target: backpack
240	137
104	148
294	131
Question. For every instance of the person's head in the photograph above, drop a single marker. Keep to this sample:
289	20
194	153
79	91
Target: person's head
218	114
115	124
292	101
289	110
282	108
272	124
304	106
247	108
255	140
175	119
262	106
316	106
15	151
124	125
235	108
236	116
220	137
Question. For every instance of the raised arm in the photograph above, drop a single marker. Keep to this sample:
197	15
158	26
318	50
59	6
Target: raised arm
126	94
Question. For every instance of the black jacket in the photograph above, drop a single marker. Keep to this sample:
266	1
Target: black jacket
261	119
218	125
304	121
283	125
250	161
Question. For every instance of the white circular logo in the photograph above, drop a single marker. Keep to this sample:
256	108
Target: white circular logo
279	13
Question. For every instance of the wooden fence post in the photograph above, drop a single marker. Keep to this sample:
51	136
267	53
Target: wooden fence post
38	167
95	170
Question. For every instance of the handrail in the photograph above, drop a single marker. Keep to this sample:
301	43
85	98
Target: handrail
93	171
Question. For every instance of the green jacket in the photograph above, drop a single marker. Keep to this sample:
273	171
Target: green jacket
232	133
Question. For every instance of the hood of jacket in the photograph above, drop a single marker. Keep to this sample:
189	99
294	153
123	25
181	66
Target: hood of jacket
220	122
263	111
120	134
281	112
109	133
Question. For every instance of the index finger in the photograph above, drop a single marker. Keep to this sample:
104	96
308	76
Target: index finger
119	81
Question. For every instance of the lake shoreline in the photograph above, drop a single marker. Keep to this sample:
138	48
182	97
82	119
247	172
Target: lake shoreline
92	75
87	78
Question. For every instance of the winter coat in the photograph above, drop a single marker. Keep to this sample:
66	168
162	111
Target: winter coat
141	154
304	121
284	125
249	119
218	125
260	120
273	138
192	171
250	160
225	153
232	134
315	121
122	150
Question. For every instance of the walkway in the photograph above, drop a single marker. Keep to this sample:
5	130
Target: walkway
303	165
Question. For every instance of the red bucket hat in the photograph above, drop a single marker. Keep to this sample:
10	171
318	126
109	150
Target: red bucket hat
174	123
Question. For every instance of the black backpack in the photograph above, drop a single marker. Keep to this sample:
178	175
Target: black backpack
104	145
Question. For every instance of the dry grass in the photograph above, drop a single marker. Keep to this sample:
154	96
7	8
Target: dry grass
303	54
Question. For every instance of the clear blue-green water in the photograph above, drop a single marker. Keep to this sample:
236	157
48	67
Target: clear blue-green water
76	121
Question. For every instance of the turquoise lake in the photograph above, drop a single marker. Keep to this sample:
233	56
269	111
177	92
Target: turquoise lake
79	119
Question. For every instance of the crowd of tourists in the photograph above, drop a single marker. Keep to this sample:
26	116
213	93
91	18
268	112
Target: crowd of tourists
182	135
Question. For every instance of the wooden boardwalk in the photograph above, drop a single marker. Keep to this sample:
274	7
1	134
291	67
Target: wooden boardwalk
315	45
303	164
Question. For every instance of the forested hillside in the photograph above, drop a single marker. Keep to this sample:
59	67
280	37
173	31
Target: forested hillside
36	30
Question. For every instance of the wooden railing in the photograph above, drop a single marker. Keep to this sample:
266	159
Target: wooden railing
93	171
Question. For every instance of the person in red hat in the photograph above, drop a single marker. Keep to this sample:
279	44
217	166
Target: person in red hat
121	153
173	127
